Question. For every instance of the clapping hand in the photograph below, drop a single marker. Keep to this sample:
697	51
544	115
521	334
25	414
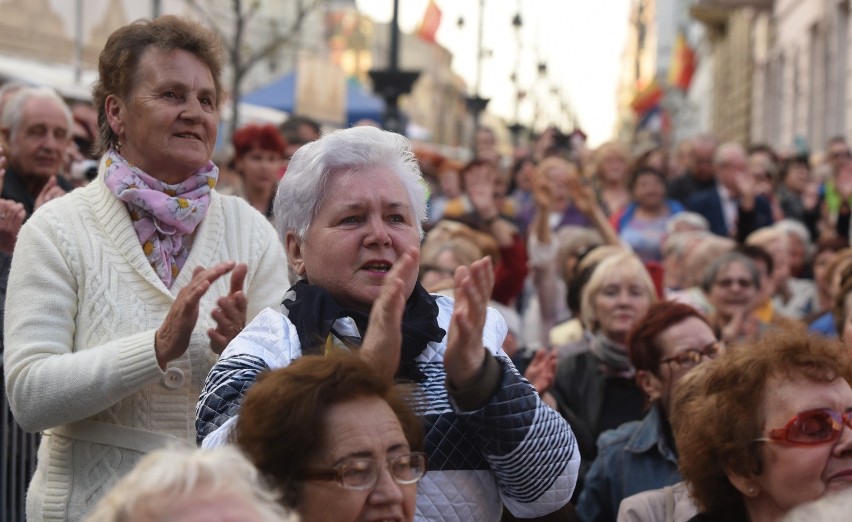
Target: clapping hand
465	354
51	190
382	343
172	338
230	314
12	216
541	372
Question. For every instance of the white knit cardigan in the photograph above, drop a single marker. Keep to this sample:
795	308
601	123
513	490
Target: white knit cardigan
82	309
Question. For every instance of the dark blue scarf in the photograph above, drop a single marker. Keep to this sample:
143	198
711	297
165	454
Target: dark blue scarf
313	311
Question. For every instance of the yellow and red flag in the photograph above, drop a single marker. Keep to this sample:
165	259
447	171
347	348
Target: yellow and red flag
647	98
431	21
683	63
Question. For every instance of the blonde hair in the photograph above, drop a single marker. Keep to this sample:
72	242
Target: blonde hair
620	266
165	477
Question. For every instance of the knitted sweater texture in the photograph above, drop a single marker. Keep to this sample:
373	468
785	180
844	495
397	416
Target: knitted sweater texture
82	310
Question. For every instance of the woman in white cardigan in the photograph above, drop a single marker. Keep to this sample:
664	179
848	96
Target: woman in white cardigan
122	293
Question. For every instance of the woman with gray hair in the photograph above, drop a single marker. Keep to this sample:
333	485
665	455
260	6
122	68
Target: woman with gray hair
731	284
349	212
184	485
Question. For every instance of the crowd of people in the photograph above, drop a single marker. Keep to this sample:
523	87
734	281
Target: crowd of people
545	332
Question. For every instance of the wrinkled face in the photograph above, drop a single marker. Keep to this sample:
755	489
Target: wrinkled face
618	304
37	150
260	168
167	126
363	224
363	427
733	290
793	475
690	334
649	191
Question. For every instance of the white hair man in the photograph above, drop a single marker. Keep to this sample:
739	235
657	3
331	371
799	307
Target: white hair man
36	126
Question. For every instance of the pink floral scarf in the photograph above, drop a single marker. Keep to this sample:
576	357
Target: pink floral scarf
162	214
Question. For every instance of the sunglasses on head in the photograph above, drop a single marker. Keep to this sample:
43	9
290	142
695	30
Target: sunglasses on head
811	427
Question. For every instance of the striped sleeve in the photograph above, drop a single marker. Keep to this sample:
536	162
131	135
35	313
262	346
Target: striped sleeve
528	446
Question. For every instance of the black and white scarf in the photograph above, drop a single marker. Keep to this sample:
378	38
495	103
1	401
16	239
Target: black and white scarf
313	311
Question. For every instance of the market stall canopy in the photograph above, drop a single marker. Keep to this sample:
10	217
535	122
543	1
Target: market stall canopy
281	94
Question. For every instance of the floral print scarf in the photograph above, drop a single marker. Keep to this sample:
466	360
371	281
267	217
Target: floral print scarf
162	214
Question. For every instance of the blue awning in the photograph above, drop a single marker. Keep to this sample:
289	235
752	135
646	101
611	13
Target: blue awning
281	95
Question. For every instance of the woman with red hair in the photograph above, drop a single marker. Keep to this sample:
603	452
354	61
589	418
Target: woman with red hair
259	157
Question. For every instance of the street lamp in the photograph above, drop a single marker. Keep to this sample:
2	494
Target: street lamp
392	82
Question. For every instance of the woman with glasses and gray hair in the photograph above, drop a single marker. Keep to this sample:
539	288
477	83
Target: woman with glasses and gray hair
770	430
731	285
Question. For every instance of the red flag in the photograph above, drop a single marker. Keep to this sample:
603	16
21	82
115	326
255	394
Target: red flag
431	20
647	98
683	64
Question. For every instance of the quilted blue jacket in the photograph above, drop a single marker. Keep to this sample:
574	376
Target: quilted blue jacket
515	451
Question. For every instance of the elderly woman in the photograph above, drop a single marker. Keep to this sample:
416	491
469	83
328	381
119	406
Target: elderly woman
259	158
184	485
595	388
785	404
732	284
112	319
324	429
671	340
642	223
350	211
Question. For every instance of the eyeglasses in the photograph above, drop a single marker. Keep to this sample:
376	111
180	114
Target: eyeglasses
363	473
839	155
729	282
692	357
811	427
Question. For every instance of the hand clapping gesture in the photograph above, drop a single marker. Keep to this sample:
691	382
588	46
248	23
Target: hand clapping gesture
383	341
465	354
12	215
172	338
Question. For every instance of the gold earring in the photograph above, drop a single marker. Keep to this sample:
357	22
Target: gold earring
118	146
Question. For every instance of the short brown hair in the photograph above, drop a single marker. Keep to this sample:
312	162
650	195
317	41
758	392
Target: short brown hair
281	423
119	60
717	430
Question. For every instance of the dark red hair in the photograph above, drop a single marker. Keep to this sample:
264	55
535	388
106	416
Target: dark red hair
254	136
645	353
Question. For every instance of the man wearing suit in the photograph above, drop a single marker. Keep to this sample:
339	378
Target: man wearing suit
731	207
